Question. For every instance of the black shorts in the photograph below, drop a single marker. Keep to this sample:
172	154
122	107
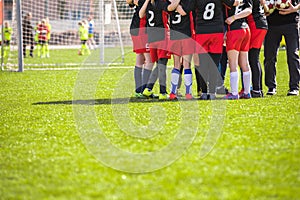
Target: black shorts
42	42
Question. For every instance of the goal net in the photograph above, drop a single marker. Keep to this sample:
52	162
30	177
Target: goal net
64	49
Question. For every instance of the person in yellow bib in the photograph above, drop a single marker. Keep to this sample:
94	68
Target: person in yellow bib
84	36
7	37
36	39
48	38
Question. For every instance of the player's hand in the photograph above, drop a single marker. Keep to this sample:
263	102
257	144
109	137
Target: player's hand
230	20
237	2
288	10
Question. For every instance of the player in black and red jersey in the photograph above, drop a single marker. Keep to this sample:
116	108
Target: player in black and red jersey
182	47
143	65
209	37
258	28
158	31
237	46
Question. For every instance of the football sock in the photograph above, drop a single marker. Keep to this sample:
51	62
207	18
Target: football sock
234	81
247	81
152	79
145	77
162	76
188	81
175	74
138	79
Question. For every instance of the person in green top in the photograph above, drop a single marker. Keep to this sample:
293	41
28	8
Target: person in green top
48	37
36	38
7	37
84	36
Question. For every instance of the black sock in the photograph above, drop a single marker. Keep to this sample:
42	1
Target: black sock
145	78
138	79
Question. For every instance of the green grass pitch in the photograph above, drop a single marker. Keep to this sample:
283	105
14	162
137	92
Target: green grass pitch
43	154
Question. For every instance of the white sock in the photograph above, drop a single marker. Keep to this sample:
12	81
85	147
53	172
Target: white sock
247	81
188	83
174	80
234	82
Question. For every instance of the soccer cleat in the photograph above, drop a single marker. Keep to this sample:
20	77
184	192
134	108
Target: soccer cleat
245	96
173	97
163	96
230	96
147	92
204	96
256	94
139	95
271	91
241	92
293	93
188	96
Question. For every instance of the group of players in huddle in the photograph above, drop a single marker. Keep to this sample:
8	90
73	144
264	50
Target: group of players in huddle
206	31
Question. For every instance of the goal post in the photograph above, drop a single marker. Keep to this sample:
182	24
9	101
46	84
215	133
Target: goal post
111	19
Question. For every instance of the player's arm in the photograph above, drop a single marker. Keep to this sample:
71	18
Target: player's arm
180	10
143	9
173	5
244	13
290	9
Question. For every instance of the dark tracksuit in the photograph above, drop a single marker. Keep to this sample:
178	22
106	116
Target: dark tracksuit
287	26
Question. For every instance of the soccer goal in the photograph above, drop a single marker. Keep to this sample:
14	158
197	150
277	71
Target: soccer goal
110	19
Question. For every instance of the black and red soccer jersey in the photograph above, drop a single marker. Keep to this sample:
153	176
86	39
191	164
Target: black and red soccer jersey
181	25
137	23
209	16
257	17
157	20
233	10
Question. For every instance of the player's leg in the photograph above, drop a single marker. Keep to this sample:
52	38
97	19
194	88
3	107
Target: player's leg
256	72
47	49
222	66
213	74
162	78
175	75
244	64
188	76
204	59
154	74
138	70
234	76
148	65
31	47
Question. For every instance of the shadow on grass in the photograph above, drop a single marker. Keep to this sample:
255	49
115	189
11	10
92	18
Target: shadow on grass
107	101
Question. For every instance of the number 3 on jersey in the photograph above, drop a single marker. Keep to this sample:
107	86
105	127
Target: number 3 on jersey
209	11
178	19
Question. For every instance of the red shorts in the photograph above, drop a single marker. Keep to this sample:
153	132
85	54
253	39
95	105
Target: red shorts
238	40
140	43
159	50
212	43
182	47
257	36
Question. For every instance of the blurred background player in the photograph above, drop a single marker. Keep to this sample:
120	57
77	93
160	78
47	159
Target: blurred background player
43	32
48	38
27	31
143	64
237	47
36	39
91	27
158	33
84	36
258	28
7	30
182	47
284	22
